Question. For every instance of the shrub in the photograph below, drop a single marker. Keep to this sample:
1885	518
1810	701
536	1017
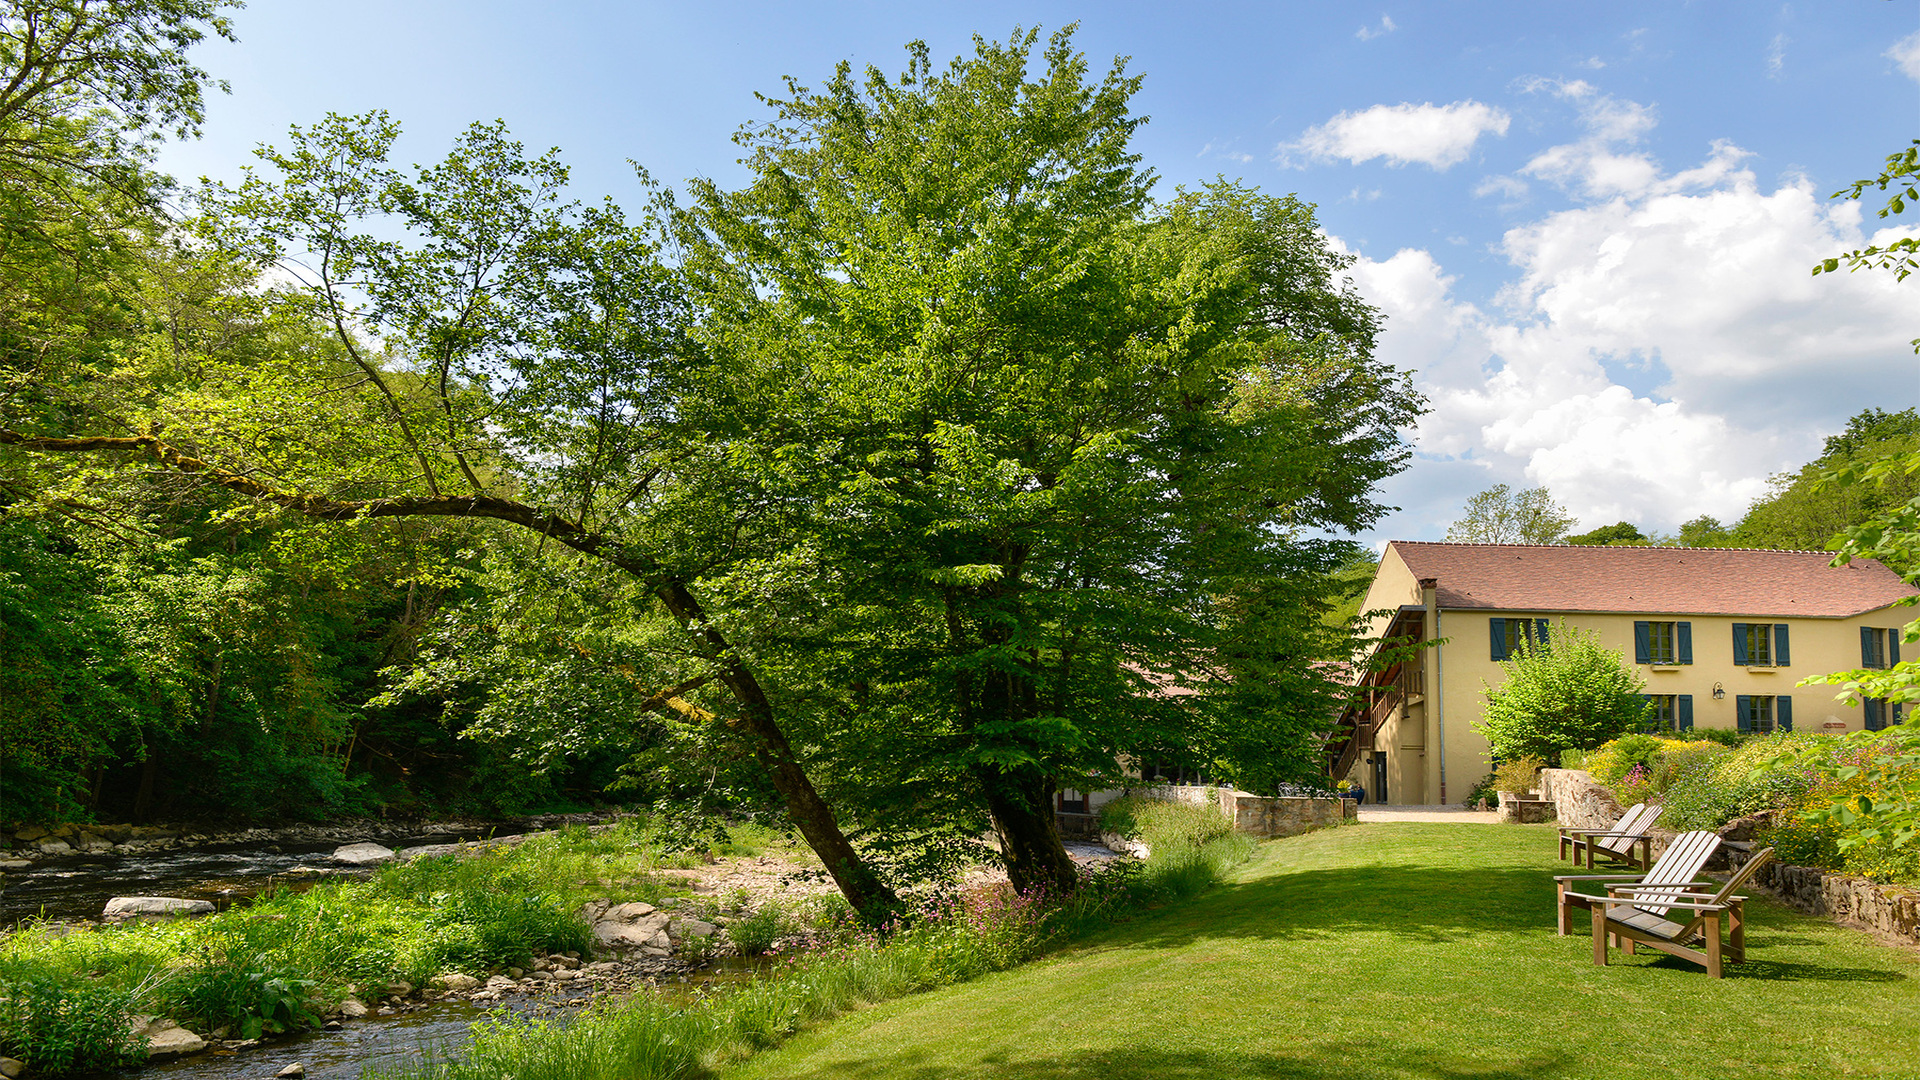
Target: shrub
1517	775
1165	822
1572	693
1611	763
62	1028
756	933
1487	788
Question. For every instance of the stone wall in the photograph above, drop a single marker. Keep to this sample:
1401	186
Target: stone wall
1578	799
1258	815
1851	901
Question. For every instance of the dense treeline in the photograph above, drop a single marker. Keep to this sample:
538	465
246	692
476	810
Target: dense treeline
929	473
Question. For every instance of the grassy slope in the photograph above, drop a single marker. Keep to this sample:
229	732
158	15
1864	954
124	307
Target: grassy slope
1392	951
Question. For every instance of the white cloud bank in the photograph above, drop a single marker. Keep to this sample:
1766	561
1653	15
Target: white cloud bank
1906	53
1659	350
1439	136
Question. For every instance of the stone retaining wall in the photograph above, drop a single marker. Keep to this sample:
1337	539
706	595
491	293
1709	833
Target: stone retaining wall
1579	800
1258	815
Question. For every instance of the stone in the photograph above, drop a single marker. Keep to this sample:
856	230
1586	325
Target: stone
696	928
92	844
293	1070
398	989
29	833
453	980
353	1008
172	1040
365	853
1741	829
631	926
16	864
11	1067
54	847
515	973
122	907
497	983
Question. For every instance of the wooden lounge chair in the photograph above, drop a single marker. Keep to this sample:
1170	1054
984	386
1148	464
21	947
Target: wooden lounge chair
1639	916
1627	842
1673	870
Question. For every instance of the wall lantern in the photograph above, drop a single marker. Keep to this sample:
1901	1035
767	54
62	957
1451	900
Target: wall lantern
1719	691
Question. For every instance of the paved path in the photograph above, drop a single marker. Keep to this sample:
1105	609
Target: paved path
1456	815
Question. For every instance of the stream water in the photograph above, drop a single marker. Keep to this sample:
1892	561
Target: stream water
77	887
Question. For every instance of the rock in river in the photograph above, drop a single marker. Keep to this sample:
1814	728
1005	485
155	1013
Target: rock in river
121	907
365	853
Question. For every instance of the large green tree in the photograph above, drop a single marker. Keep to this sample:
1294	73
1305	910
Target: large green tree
1049	448
1501	515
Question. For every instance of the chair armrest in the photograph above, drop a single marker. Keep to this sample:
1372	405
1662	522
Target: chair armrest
1621	901
1598	877
1584	832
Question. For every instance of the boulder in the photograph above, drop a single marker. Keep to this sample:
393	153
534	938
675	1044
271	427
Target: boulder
11	1067
628	926
291	1071
353	1008
27	834
364	853
54	847
166	1038
453	980
1741	829
122	907
696	928
1125	846
497	983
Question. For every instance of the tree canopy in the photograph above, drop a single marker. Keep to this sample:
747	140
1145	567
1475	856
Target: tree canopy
1500	515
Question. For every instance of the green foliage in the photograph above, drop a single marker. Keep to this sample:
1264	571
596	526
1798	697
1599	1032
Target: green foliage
1518	775
1898	257
1500	515
754	934
1705	531
1618	533
1612	761
60	1026
1570	693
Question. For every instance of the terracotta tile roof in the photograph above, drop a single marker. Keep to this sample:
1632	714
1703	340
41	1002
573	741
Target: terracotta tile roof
1697	581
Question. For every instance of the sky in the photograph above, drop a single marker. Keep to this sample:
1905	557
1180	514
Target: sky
1589	228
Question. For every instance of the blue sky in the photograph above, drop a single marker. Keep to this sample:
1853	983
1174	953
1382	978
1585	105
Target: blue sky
1589	226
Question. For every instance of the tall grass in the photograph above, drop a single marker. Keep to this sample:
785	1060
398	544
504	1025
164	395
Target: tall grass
288	958
946	941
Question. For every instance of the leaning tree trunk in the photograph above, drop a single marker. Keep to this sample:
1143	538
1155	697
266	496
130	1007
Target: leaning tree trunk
1022	807
858	883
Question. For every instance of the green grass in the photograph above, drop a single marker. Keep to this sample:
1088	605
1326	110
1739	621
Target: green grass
1386	952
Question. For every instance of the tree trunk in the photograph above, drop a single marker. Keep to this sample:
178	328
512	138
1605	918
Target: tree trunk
858	883
1022	808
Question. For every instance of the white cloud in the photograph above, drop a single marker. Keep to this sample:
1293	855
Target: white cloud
1510	187
1440	136
1654	356
1906	53
1368	33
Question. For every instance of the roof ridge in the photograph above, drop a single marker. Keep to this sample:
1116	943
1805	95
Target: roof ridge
1631	547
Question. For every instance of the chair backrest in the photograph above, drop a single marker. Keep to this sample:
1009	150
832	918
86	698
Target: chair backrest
1745	874
1632	825
1676	866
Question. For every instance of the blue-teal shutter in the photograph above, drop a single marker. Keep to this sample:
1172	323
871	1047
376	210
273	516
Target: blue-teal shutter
1876	714
1780	644
1893	646
1499	628
1539	633
1685	712
1642	643
1866	647
1740	645
1683	641
1783	713
1743	711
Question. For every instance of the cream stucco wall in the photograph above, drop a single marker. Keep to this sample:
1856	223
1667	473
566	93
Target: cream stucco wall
1458	672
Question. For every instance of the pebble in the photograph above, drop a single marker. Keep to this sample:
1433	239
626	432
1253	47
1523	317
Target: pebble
293	1070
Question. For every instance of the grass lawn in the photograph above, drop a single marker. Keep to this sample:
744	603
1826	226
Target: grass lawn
1387	951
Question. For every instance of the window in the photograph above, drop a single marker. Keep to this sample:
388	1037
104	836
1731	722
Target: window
1760	644
1509	634
1669	712
1879	648
1761	713
1662	643
1881	714
1663	711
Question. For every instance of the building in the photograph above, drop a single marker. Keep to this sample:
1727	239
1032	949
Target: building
1720	636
